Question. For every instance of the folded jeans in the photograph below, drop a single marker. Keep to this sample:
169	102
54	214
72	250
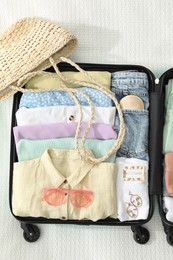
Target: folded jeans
135	143
130	83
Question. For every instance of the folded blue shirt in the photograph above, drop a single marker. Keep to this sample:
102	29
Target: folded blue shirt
57	98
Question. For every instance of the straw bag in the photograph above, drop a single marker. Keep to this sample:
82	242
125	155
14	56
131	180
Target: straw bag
30	46
26	46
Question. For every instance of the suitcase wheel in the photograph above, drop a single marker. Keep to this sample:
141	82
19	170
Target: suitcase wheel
169	233
169	239
140	234
31	233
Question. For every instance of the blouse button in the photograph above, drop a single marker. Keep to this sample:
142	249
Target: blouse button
63	217
71	118
65	181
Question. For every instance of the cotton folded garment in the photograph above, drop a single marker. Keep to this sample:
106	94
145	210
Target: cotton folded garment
168	173
62	98
48	82
168	208
132	189
32	149
50	131
168	119
60	185
167	132
63	114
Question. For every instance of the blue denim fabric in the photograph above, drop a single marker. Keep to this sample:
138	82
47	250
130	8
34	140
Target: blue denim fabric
135	143
130	83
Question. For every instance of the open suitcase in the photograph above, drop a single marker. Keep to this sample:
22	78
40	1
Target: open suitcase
140	234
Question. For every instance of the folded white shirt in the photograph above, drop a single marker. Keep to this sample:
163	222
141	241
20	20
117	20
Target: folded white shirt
168	208
132	189
63	114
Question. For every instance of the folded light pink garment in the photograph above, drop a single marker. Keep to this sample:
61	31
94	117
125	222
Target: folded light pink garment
51	131
169	173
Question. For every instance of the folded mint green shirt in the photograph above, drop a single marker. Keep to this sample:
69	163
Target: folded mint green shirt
169	95
168	132
168	124
32	149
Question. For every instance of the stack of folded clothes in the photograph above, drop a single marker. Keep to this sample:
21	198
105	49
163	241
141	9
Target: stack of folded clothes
168	152
50	180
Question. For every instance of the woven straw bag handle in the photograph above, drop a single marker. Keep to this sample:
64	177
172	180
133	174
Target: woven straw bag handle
95	85
107	92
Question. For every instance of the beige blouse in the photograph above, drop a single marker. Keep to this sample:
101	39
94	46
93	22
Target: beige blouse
60	185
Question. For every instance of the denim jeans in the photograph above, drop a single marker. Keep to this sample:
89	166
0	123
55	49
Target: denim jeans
130	83
135	143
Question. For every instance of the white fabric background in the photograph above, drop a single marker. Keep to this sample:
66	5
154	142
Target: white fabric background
112	31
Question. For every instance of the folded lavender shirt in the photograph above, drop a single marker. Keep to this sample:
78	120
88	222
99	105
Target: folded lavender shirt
62	130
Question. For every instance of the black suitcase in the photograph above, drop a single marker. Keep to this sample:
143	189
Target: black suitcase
140	234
